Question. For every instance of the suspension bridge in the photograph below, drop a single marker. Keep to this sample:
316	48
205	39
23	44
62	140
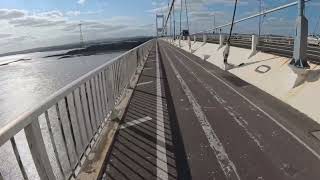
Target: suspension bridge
185	106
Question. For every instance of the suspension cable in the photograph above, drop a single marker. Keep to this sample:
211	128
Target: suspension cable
185	4
232	23
174	21
317	26
180	15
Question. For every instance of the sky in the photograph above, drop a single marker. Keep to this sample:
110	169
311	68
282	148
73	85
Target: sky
28	24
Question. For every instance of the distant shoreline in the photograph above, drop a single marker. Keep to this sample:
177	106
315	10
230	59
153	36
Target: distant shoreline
100	49
75	45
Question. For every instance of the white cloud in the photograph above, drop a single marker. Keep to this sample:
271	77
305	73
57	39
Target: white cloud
20	29
81	2
73	13
5	36
11	13
35	21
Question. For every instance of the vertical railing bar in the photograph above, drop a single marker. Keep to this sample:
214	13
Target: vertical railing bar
115	80
105	90
128	73
77	119
99	95
94	105
113	83
38	150
118	77
46	114
91	111
102	96
91	105
63	136
81	110
96	92
98	85
121	71
16	153
88	106
89	139
71	127
109	87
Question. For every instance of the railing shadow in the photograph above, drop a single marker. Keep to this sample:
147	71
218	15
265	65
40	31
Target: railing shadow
134	153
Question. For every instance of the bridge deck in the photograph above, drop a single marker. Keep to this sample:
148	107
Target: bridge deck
188	119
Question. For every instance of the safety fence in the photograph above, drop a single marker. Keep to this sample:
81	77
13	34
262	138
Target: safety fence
62	130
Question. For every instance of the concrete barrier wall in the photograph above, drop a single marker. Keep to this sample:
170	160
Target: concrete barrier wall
271	73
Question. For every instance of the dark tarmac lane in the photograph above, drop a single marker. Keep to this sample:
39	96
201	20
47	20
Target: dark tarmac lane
188	119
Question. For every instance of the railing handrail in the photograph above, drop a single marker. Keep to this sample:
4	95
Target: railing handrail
25	118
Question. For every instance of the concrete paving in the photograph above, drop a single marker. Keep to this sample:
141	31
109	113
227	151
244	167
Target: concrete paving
188	119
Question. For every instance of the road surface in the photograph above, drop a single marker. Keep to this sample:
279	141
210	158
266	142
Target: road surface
188	119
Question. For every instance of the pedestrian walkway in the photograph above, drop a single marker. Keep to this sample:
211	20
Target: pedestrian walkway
187	119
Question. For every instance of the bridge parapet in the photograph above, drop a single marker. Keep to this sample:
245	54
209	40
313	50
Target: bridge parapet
62	130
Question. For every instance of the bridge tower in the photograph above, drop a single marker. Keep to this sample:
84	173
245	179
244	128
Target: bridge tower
301	40
81	36
159	17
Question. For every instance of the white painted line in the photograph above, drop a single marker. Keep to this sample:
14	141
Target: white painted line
147	68
144	83
235	115
162	167
225	163
135	122
256	106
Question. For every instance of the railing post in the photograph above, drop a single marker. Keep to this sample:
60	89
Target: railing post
301	41
254	44
194	39
38	150
204	38
189	42
221	40
179	41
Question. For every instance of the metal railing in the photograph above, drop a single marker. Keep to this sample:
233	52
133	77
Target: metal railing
74	117
279	45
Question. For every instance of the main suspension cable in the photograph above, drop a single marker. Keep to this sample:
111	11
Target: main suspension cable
232	23
227	49
180	16
187	15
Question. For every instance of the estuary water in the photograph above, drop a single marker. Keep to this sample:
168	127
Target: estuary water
25	81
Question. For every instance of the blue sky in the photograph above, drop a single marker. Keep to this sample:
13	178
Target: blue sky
34	23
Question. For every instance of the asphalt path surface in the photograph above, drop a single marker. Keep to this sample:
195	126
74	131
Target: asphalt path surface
188	119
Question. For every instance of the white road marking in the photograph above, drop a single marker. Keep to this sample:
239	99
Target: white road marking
235	115
135	122
144	83
256	106
225	163
147	68
162	167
